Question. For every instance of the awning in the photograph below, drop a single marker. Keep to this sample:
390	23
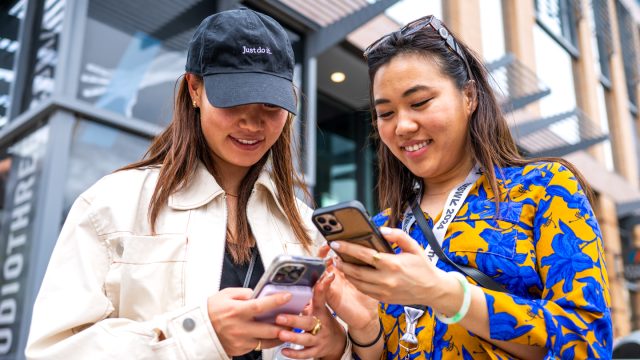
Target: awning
330	22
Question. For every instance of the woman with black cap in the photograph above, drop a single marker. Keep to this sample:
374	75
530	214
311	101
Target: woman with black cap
152	259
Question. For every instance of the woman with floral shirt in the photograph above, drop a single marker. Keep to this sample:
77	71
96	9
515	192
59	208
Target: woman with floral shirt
525	223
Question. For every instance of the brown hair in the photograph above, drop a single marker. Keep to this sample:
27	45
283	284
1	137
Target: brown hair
489	136
180	147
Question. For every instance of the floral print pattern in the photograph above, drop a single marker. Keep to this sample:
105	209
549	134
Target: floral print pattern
544	246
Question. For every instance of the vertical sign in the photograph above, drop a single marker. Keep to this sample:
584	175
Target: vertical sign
16	230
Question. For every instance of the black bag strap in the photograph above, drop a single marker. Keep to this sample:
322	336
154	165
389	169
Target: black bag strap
481	278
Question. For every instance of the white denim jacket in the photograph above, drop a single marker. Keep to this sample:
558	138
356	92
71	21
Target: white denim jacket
111	287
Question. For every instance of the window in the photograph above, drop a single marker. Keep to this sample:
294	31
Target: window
493	46
629	57
554	68
92	141
345	160
558	19
11	15
601	40
134	51
46	52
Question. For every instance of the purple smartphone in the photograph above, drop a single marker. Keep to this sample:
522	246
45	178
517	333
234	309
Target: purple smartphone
293	274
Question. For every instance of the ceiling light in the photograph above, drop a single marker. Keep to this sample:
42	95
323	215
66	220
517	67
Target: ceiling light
338	77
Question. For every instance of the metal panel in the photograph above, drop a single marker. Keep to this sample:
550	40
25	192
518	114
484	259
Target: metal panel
164	19
560	151
310	121
338	30
515	85
526	128
325	12
72	42
50	202
40	112
558	135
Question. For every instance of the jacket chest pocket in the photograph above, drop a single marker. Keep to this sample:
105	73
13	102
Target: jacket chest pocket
147	274
485	241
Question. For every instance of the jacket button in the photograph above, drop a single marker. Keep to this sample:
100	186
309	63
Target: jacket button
119	249
188	324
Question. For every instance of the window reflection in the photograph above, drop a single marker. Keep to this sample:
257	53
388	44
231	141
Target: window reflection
46	55
97	150
133	54
134	51
11	15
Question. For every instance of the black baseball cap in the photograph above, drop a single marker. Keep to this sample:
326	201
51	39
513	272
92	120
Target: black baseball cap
245	57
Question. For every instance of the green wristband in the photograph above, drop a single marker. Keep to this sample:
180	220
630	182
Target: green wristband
466	301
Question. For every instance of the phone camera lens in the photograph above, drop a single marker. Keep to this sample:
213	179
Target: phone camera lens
327	228
333	222
294	275
279	278
322	220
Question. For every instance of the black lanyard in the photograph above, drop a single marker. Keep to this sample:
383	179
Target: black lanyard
481	278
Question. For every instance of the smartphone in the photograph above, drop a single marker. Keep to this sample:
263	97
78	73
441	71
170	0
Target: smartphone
349	221
293	274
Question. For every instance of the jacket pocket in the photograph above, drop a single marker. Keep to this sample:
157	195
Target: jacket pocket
479	230
147	274
472	237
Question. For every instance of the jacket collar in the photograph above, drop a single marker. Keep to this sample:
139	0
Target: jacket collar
203	188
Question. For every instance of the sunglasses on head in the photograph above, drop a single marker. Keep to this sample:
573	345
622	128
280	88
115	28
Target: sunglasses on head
419	24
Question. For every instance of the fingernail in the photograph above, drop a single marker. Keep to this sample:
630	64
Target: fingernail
335	245
286	336
286	297
385	230
330	275
282	320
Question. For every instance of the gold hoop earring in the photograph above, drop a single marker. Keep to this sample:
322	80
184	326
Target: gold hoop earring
195	105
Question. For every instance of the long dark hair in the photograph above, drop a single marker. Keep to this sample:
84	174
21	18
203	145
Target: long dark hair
182	145
489	136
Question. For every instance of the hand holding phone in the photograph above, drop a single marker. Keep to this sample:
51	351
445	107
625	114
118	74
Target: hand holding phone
349	221
293	274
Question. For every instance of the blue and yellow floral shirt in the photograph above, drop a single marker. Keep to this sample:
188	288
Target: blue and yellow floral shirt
545	247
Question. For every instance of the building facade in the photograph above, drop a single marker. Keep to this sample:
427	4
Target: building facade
86	84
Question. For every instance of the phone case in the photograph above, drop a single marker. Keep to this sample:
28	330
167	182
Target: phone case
354	226
300	297
277	278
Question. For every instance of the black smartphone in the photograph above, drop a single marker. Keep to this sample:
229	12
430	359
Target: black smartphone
349	221
293	274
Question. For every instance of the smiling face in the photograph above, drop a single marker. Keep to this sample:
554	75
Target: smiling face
239	136
422	117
